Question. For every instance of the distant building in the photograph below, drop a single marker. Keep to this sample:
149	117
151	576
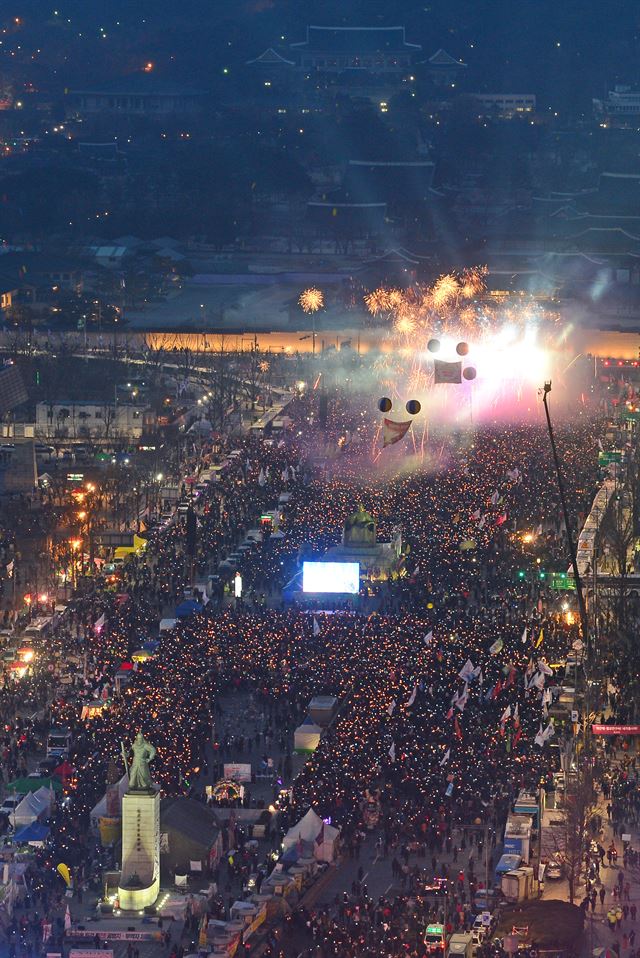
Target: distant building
271	70
506	105
382	50
139	95
443	69
89	420
8	291
398	183
621	103
35	271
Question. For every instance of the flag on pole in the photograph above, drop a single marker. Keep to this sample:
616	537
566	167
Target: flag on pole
457	729
391	708
506	714
316	626
412	697
445	757
428	639
496	647
392	752
540	639
461	700
67	919
98	625
524	636
467	672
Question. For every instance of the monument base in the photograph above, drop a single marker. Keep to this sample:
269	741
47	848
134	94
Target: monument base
139	883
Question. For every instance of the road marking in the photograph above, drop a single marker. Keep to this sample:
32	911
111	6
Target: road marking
387	889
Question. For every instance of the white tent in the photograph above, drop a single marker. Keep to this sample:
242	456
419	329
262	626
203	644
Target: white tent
47	797
100	809
313	830
28	811
166	624
306	737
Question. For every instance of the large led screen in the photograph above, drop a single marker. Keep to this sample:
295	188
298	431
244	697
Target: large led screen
331	577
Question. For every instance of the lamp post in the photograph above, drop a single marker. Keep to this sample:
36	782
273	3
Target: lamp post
584	622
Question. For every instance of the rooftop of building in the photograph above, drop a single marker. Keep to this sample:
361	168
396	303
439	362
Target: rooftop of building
443	59
356	40
271	57
192	819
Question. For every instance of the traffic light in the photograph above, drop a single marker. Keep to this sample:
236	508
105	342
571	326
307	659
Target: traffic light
542	574
521	573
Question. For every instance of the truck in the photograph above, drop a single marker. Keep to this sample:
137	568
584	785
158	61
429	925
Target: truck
58	742
528	803
517	885
517	835
460	945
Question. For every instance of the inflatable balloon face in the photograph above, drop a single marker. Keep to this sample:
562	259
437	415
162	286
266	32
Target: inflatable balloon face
451	371
393	431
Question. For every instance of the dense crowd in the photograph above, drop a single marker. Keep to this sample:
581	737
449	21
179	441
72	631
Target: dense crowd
445	688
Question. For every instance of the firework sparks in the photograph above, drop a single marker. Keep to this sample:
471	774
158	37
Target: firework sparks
311	300
472	282
445	291
405	324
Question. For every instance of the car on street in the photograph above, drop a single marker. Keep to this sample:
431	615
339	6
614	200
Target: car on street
10	804
554	870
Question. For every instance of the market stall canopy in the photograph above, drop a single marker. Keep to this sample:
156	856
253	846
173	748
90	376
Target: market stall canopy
100	810
65	769
306	737
33	783
90	710
313	830
33	834
29	810
188	607
141	655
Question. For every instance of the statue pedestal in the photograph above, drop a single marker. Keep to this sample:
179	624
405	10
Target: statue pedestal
140	876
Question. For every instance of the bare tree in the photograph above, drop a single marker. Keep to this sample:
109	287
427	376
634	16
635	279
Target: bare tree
109	414
568	834
617	532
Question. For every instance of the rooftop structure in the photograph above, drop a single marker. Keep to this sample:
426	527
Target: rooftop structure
373	49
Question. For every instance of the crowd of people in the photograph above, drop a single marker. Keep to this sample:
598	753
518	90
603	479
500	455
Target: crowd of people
445	688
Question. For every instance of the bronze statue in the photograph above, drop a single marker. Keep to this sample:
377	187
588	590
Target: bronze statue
359	529
138	771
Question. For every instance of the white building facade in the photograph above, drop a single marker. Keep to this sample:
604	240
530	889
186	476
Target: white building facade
88	420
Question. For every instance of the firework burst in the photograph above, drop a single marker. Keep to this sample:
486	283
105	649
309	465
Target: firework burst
311	300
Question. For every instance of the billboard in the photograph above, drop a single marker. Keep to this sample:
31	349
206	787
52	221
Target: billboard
331	577
615	729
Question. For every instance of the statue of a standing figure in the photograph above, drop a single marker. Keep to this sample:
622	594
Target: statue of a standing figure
138	771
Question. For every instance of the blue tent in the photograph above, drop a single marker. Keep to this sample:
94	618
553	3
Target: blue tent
291	856
35	832
188	607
